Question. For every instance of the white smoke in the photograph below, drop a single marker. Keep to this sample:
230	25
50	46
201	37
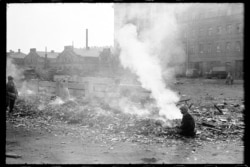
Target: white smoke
148	37
26	90
13	71
57	101
128	107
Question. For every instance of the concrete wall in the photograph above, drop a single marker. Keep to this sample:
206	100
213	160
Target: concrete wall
92	87
75	89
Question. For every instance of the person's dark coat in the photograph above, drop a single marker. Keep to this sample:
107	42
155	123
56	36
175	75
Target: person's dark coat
187	127
11	91
11	95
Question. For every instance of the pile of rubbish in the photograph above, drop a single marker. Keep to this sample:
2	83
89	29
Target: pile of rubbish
215	122
220	121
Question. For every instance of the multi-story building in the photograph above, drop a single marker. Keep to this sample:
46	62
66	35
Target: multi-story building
213	36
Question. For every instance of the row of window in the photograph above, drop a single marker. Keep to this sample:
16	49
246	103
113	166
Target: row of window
219	30
215	47
224	11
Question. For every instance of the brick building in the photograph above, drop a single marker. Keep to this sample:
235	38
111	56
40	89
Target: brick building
33	59
213	36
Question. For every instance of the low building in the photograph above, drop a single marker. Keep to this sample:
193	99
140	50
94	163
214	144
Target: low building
33	59
17	57
50	58
71	61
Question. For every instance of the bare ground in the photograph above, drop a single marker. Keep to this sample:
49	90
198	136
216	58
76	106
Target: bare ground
61	143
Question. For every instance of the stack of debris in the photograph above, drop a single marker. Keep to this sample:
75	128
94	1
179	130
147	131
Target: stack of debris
216	121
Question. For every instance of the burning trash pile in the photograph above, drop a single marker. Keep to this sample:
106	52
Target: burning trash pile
210	123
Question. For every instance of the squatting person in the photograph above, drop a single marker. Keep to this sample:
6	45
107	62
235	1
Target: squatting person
187	127
11	94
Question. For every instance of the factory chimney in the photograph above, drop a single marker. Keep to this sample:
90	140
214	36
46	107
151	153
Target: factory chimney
46	59
87	47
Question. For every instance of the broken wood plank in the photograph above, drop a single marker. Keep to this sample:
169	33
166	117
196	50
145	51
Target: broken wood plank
215	129
218	109
13	155
218	130
207	124
185	100
190	105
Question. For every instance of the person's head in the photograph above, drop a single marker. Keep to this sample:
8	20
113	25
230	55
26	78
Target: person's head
10	79
184	110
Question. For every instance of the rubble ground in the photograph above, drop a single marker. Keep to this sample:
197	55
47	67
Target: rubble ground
88	132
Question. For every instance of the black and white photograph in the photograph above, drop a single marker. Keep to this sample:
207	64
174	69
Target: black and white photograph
124	83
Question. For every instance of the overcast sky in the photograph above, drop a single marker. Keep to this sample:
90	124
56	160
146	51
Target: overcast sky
57	25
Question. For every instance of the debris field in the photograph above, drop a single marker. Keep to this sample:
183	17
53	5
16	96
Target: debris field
216	121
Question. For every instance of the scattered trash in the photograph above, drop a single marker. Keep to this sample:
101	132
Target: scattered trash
218	108
16	126
106	125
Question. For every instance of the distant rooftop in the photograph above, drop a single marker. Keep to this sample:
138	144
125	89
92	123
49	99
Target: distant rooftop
91	52
18	54
51	55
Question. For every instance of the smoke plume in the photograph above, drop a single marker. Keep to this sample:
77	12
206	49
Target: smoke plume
24	88
148	37
13	71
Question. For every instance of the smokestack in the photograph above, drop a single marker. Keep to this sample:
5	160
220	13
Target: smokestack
19	50
45	61
87	47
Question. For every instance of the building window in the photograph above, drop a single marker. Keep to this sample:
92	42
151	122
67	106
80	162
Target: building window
191	49
209	48
229	11
193	33
218	48
229	29
228	66
193	17
228	46
201	32
239	28
220	13
219	30
210	31
208	15
201	16
201	48
185	34
238	46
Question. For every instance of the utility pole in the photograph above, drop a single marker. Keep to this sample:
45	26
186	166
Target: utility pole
87	46
187	51
45	61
